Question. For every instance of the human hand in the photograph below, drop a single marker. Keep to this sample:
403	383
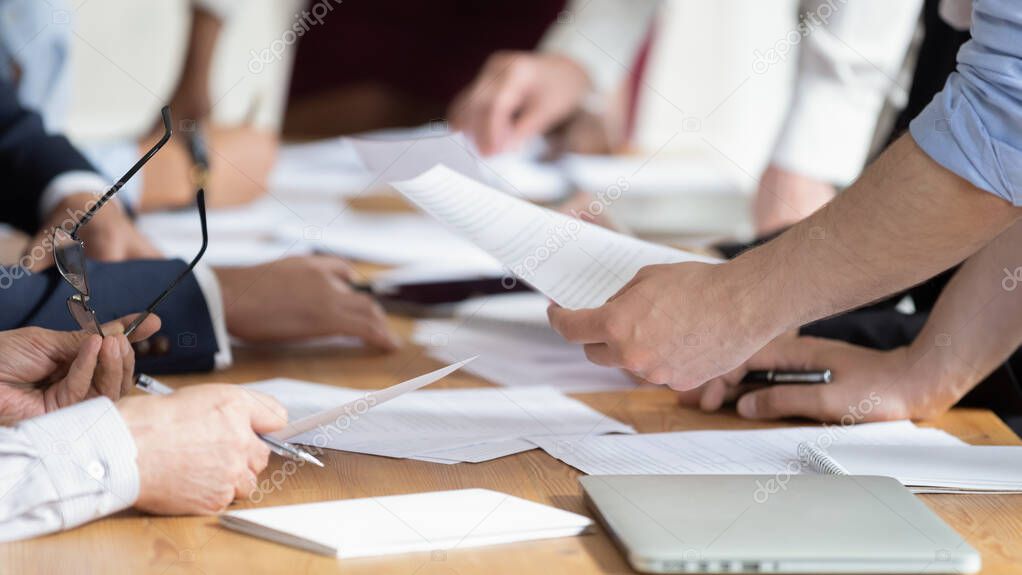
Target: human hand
516	96
785	197
197	447
677	325
300	298
42	370
868	385
109	236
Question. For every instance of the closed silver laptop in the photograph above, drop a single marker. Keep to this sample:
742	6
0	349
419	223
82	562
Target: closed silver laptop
774	524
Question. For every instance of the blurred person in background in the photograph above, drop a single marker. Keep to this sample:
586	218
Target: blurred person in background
849	57
35	44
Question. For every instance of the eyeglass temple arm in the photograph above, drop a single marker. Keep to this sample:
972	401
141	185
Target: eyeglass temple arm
200	200
167	133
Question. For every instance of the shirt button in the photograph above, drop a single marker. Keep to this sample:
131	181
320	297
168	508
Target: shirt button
96	470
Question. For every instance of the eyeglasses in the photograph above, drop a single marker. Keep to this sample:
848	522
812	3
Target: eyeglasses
69	249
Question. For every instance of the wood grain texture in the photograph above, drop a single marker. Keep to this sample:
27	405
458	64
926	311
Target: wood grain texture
130	542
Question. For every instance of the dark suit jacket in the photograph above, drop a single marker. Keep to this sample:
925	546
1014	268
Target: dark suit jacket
29	160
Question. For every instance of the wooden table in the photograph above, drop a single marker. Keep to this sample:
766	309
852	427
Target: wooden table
133	543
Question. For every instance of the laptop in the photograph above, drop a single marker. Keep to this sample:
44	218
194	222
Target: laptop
774	524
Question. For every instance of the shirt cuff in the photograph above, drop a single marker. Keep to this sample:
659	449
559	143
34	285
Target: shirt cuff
67	184
828	132
953	131
210	287
89	455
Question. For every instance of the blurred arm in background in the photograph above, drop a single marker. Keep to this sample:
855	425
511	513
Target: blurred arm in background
850	55
240	157
583	57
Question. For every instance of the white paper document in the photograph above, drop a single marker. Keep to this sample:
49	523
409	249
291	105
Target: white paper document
443	426
359	406
574	263
436	521
761	451
517	354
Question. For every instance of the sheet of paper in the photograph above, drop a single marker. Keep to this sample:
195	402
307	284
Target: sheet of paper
389	239
574	263
518	354
763	451
390	159
427	422
368	401
437	521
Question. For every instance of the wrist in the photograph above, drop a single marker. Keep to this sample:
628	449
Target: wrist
754	288
936	374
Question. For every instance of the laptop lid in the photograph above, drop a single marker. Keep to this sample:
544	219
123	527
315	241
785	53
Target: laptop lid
774	524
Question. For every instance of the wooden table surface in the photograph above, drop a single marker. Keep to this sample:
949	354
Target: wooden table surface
130	542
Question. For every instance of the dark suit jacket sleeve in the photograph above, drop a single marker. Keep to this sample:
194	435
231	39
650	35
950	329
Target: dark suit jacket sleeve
29	160
186	341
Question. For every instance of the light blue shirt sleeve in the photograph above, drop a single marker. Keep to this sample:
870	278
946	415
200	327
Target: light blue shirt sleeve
973	127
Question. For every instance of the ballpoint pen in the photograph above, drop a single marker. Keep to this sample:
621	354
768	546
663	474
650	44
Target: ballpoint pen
281	448
779	377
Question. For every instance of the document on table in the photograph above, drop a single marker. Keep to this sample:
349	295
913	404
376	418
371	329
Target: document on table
337	415
436	521
765	451
517	354
574	263
443	426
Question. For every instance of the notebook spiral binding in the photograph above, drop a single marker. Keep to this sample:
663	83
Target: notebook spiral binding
818	460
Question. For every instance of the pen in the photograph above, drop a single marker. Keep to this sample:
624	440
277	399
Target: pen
776	377
195	140
281	448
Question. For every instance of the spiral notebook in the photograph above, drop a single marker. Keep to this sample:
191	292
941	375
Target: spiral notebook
925	469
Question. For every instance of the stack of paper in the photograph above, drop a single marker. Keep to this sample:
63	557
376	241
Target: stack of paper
765	451
441	426
517	354
437	521
574	263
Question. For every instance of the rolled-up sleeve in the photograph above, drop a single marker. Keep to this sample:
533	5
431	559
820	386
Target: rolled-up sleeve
65	468
973	127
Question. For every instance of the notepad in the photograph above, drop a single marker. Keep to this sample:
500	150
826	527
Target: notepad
576	264
437	521
925	469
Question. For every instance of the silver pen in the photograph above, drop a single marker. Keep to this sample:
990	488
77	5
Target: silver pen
281	448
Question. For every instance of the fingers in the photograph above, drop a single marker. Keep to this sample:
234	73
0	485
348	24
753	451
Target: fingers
245	485
110	369
76	384
265	413
361	316
127	366
578	326
150	325
782	401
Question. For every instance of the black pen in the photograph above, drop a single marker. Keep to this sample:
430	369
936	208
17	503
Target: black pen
779	377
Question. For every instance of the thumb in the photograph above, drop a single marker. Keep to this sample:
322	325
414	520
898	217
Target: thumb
782	401
60	346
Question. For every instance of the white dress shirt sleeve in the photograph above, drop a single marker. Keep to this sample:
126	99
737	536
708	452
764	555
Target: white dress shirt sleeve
67	184
603	36
849	57
65	468
210	286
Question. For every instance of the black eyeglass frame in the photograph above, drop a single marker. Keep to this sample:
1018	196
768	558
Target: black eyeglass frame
70	252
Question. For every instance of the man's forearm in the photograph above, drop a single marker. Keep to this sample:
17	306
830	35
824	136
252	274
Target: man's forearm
905	220
975	324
